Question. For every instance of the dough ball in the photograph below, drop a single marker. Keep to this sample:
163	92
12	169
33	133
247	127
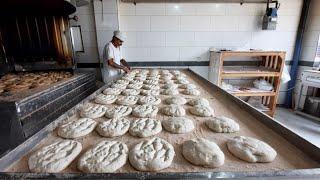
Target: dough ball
107	156
251	150
54	157
113	127
151	155
145	110
119	86
193	92
118	111
152	92
223	124
127	100
150	86
203	152
199	101
105	99
130	92
152	100
174	110
92	111
121	81
172	91
176	100
178	125
77	128
112	91
202	111
145	127
134	86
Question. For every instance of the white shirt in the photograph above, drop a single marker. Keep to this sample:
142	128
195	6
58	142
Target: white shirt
110	52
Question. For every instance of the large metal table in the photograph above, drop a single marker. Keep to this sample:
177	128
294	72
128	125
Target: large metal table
302	144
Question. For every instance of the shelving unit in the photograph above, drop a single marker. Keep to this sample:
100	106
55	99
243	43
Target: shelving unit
266	64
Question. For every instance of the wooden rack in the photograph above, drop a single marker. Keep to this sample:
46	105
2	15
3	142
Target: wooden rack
267	65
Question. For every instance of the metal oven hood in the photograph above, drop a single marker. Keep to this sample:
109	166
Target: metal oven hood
36	7
196	1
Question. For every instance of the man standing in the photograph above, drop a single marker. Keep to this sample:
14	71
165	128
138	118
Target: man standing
113	61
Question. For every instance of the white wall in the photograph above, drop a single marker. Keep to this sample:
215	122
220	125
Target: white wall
185	31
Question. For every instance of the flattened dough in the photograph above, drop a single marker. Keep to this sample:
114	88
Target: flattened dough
152	92
222	124
77	128
178	125
173	110
203	111
127	100
176	100
92	111
151	155
188	86
172	91
150	86
203	152
134	86
152	100
112	91
145	127
118	111
119	86
107	156
192	91
54	157
144	111
251	150
113	127
130	92
105	99
199	101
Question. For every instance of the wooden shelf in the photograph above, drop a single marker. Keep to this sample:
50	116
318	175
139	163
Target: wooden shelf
246	93
230	71
269	68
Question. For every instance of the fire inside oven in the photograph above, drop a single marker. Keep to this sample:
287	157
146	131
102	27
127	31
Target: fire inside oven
30	40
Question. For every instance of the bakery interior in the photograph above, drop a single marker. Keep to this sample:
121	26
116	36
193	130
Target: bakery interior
203	89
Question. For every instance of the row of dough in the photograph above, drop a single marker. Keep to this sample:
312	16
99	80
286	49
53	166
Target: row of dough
143	127
149	155
94	111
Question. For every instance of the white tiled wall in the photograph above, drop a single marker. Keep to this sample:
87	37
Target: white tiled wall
192	28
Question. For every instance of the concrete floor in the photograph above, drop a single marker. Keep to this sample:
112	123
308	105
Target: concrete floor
307	128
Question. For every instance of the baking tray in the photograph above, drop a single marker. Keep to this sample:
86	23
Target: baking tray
302	144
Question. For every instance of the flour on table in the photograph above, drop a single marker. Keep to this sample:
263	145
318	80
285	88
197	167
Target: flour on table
151	155
105	157
203	152
113	127
77	128
54	157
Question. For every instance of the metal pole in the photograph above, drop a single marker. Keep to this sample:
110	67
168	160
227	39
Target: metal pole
297	52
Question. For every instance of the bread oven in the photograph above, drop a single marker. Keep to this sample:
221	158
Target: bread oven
38	81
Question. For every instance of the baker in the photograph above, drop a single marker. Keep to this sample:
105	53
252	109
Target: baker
113	62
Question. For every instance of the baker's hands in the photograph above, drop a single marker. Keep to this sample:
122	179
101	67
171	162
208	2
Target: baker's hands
126	69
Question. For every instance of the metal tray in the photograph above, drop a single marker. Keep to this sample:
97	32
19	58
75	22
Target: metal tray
302	144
